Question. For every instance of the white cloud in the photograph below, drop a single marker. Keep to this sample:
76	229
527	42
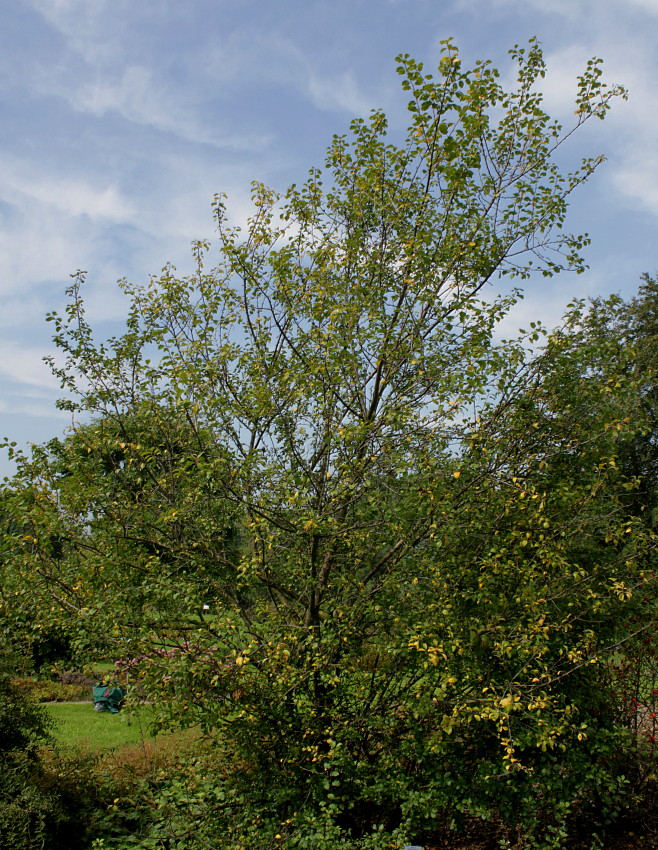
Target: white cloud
571	9
40	411
650	6
267	58
20	182
51	224
629	132
138	97
135	93
24	365
637	179
34	250
84	25
627	137
108	76
338	92
560	85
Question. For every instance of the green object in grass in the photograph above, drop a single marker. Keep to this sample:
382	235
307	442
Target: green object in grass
108	697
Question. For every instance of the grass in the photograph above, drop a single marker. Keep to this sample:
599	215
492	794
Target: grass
82	727
101	668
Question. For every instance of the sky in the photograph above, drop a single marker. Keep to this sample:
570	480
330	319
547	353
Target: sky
120	120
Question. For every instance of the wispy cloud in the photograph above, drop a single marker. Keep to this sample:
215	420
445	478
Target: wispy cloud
138	96
633	125
24	364
598	28
91	28
108	67
50	222
248	59
637	179
70	195
338	92
571	9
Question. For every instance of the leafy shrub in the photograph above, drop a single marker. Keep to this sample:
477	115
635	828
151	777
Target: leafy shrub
29	813
138	796
45	690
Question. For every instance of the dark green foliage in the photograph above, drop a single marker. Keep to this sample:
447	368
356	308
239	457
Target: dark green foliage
639	327
29	813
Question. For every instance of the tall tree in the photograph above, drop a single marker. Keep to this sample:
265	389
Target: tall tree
407	531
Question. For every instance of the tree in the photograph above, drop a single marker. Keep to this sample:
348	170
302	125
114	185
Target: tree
608	327
409	533
126	498
638	327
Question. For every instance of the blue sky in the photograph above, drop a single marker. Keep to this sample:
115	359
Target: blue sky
122	119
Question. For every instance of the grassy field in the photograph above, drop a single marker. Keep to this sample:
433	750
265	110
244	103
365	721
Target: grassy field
100	668
80	726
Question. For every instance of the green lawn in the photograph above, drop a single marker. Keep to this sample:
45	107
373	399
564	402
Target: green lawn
100	668
80	726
